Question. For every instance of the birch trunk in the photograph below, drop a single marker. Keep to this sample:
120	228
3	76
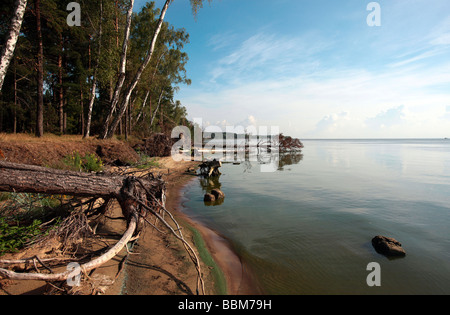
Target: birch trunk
142	109
157	107
13	36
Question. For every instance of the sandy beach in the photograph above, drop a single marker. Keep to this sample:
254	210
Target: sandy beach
161	266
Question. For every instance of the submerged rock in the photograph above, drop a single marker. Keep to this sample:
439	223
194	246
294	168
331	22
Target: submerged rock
209	198
218	194
388	246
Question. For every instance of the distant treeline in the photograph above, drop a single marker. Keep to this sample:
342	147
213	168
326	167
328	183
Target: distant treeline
82	68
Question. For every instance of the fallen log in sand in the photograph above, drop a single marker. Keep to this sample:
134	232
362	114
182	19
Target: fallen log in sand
138	198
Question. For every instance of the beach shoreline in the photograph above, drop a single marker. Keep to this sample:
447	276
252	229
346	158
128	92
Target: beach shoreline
140	281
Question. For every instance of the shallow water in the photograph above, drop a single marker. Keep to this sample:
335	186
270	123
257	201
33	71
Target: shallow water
307	227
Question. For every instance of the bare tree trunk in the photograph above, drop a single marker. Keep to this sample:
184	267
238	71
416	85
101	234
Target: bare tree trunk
123	106
122	71
11	41
36	179
15	96
82	110
157	107
94	79
85	268
61	89
142	109
40	73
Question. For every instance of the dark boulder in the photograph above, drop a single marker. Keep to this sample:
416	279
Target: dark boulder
209	198
218	194
388	246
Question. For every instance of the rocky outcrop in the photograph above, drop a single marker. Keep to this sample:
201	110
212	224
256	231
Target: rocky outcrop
388	246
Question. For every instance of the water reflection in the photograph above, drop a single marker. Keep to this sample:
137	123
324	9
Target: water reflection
288	159
280	163
208	184
267	161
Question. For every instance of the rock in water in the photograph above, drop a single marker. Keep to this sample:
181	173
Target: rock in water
209	198
218	194
388	246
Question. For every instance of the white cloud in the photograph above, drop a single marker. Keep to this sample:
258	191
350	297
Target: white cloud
264	53
389	118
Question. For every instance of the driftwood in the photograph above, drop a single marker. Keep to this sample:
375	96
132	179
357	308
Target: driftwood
138	198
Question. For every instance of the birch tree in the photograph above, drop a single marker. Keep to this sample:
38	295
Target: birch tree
124	104
110	130
10	45
94	79
122	70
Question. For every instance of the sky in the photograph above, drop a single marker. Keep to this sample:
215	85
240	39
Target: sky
316	69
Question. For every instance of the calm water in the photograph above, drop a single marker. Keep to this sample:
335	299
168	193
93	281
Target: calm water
307	228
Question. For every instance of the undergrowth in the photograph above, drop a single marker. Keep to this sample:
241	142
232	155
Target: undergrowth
86	163
21	217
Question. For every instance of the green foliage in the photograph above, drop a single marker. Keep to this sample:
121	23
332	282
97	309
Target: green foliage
146	162
14	237
27	206
87	163
4	196
21	217
70	60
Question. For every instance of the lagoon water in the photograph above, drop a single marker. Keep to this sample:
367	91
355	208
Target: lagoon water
306	228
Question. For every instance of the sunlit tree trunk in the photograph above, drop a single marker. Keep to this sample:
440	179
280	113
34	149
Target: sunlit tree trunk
10	44
60	83
40	73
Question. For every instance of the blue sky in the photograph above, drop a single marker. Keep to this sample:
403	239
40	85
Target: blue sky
316	69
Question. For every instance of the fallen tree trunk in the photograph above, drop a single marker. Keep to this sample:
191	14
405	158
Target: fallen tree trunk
35	179
21	178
